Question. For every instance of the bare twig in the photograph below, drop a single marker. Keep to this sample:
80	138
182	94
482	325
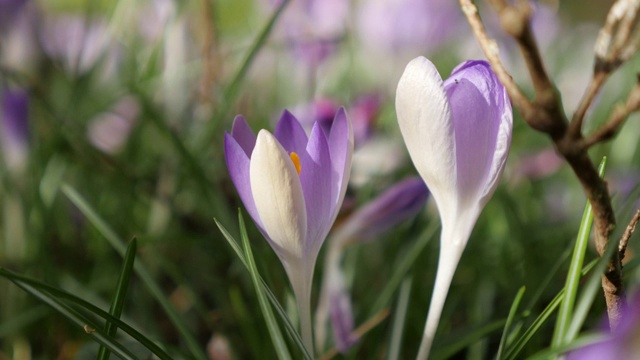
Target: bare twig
624	240
616	119
546	114
613	47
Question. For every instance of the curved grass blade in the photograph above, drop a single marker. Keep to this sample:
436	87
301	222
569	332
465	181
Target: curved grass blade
565	312
61	294
400	270
75	317
272	325
507	326
291	330
400	315
141	271
588	294
464	341
121	292
541	319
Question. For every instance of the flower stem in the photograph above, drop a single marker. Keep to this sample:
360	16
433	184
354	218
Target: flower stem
451	248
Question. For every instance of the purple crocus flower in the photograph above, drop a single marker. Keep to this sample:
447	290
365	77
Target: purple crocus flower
458	133
292	186
15	128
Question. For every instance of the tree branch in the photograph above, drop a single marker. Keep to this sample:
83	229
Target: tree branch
624	240
546	114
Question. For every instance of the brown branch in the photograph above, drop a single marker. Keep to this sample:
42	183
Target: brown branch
616	119
624	240
546	114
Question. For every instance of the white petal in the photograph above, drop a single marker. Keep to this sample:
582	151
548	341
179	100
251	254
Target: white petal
278	196
424	117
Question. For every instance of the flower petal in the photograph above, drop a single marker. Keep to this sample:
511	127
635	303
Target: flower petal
243	135
341	148
278	196
424	116
482	119
290	133
238	164
316	179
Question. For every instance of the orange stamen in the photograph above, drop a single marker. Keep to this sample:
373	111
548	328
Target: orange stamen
296	161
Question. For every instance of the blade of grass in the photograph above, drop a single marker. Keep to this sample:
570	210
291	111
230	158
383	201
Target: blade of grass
573	277
121	292
507	326
464	341
76	301
541	319
590	289
234	86
89	327
141	271
407	260
291	331
400	315
272	325
551	353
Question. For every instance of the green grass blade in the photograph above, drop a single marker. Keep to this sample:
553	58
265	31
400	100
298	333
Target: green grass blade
400	270
400	314
565	313
589	292
121	293
272	325
75	317
146	277
291	330
464	341
551	353
232	90
541	319
510	318
76	301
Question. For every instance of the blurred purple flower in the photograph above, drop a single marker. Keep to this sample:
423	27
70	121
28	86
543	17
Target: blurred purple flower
109	131
9	10
458	134
313	28
292	187
538	165
78	43
407	25
15	127
624	342
399	203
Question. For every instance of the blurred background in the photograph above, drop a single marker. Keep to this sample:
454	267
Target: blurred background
125	103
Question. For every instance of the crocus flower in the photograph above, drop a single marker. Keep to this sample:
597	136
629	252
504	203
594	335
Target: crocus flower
400	202
458	134
292	187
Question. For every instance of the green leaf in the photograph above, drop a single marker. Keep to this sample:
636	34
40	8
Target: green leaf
272	325
291	330
121	292
507	326
56	295
573	277
141	271
400	315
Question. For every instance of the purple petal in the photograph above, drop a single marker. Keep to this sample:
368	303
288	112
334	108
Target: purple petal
482	118
341	320
341	147
400	202
316	179
243	135
290	133
15	109
238	164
